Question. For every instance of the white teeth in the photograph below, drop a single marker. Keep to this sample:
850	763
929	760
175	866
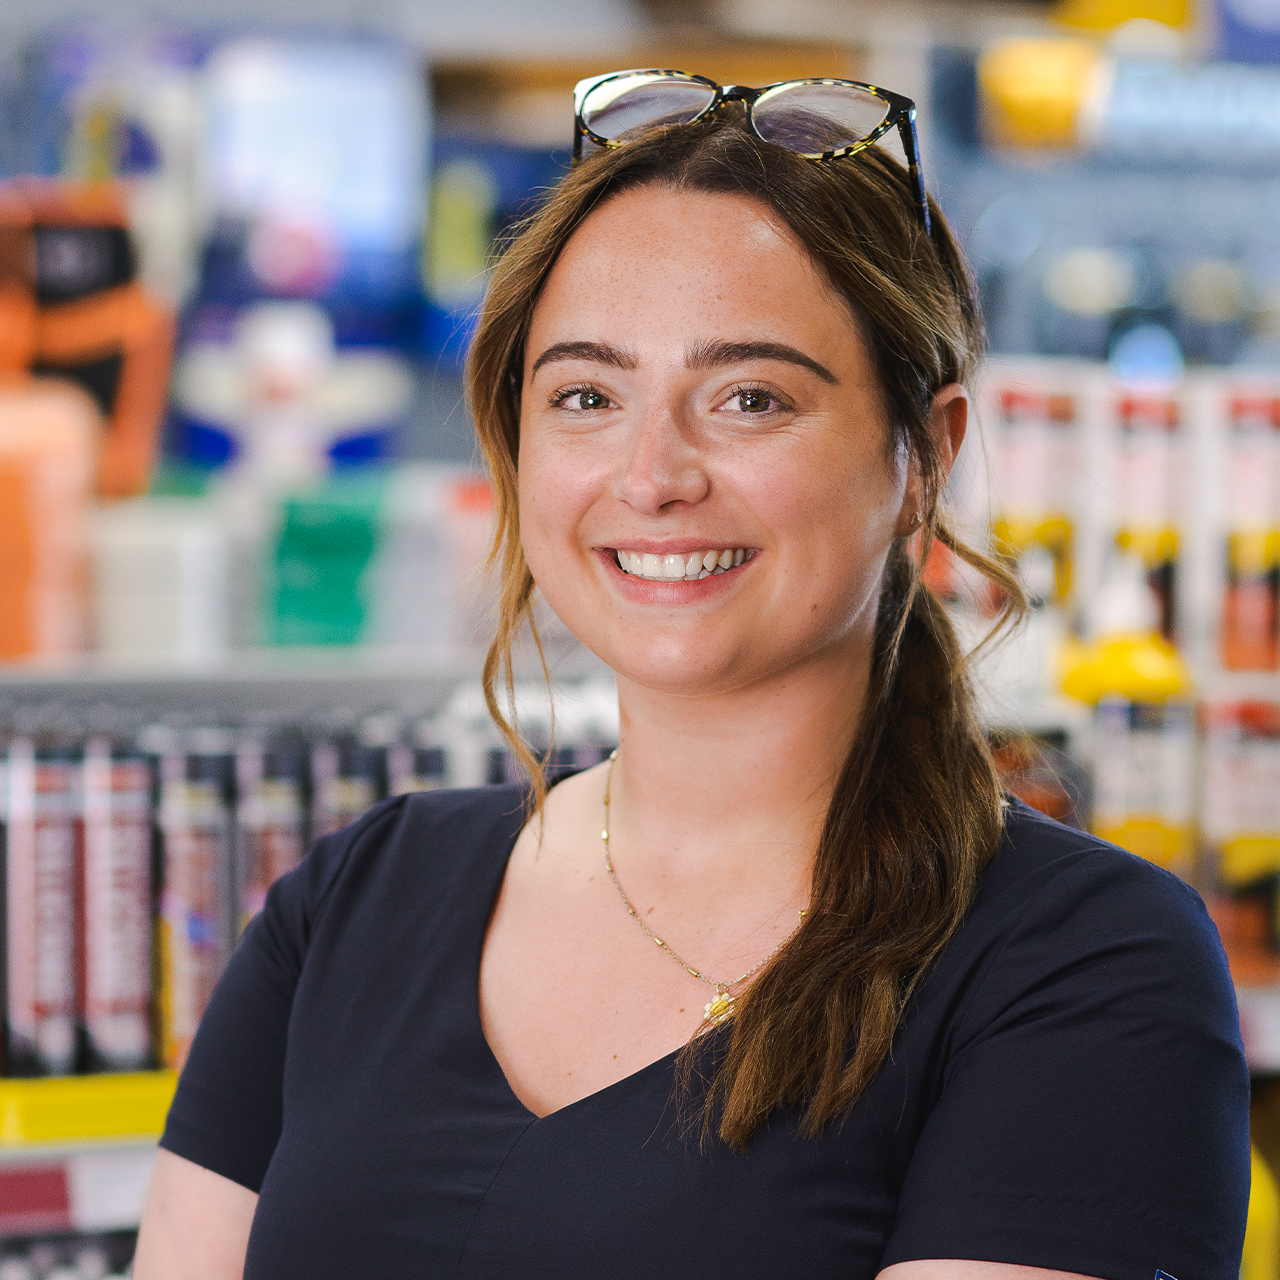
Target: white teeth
687	567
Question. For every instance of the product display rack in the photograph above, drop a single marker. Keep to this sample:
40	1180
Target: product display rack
76	1152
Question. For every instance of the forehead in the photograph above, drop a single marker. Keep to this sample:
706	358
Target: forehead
703	264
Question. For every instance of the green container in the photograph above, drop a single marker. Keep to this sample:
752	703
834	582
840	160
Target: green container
326	541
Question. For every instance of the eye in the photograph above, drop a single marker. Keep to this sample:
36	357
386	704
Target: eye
580	399
754	401
751	401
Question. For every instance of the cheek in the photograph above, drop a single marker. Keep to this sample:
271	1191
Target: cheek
553	495
834	507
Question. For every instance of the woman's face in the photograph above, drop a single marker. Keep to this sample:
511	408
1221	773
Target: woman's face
707	488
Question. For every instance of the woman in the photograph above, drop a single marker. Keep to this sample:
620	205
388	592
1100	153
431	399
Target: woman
787	987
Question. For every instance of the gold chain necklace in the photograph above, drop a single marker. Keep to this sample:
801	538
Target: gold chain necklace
720	1007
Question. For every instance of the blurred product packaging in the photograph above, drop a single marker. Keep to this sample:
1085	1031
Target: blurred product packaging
70	282
1144	738
1143	106
1248	634
319	589
271	815
42	854
84	353
1241	819
118	102
49	434
115	905
1149	479
317	168
160	579
479	188
1247	30
197	916
290	402
428	583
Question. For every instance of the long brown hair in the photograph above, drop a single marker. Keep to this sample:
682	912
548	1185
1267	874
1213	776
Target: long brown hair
917	809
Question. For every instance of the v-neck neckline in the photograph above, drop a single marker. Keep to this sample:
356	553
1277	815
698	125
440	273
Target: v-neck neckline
666	1061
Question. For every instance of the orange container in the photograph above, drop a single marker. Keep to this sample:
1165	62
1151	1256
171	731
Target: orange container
49	434
70	307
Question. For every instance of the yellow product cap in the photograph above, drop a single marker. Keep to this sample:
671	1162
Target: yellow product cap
1246	859
1262	1228
1251	551
1032	90
1103	15
1141	668
1152	546
76	1108
1163	843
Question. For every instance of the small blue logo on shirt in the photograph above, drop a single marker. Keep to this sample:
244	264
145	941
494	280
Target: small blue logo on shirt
1163	1275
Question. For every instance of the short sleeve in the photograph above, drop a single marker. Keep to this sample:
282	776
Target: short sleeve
227	1111
1094	1112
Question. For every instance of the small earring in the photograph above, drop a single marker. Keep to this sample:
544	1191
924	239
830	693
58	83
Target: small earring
916	520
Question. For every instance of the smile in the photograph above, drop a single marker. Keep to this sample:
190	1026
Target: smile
688	567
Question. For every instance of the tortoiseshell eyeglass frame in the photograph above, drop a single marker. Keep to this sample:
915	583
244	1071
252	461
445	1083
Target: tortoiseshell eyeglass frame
901	115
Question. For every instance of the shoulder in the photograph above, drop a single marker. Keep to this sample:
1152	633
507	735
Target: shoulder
1041	860
436	839
1062	914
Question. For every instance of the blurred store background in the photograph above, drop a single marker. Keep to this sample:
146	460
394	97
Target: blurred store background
242	516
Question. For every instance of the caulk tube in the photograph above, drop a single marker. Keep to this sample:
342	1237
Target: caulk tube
420	762
42	847
271	812
195	901
116	897
347	778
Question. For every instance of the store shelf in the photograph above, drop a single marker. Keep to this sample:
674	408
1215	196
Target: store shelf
290	681
88	1188
82	1108
76	1153
283	681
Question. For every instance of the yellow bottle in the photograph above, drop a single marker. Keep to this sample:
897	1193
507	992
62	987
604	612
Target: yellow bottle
1261	1258
1144	726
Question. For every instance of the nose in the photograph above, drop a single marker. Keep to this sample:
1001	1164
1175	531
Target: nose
663	466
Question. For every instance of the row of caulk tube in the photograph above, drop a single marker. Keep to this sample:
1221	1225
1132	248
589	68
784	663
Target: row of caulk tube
104	1258
134	861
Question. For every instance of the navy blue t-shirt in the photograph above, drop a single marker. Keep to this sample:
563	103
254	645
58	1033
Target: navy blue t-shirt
1067	1090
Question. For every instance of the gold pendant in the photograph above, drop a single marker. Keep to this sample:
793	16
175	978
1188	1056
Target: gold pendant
720	1007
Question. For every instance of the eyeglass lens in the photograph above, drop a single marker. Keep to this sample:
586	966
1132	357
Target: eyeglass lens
815	118
810	119
616	107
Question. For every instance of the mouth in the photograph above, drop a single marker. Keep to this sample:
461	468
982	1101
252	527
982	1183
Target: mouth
689	566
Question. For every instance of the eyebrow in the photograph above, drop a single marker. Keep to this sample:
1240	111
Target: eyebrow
707	355
599	352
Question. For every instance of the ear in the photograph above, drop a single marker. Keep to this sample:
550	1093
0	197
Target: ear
948	420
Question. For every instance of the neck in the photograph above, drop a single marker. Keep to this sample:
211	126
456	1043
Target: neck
739	782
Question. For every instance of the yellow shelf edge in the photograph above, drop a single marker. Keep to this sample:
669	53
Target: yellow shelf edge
71	1109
